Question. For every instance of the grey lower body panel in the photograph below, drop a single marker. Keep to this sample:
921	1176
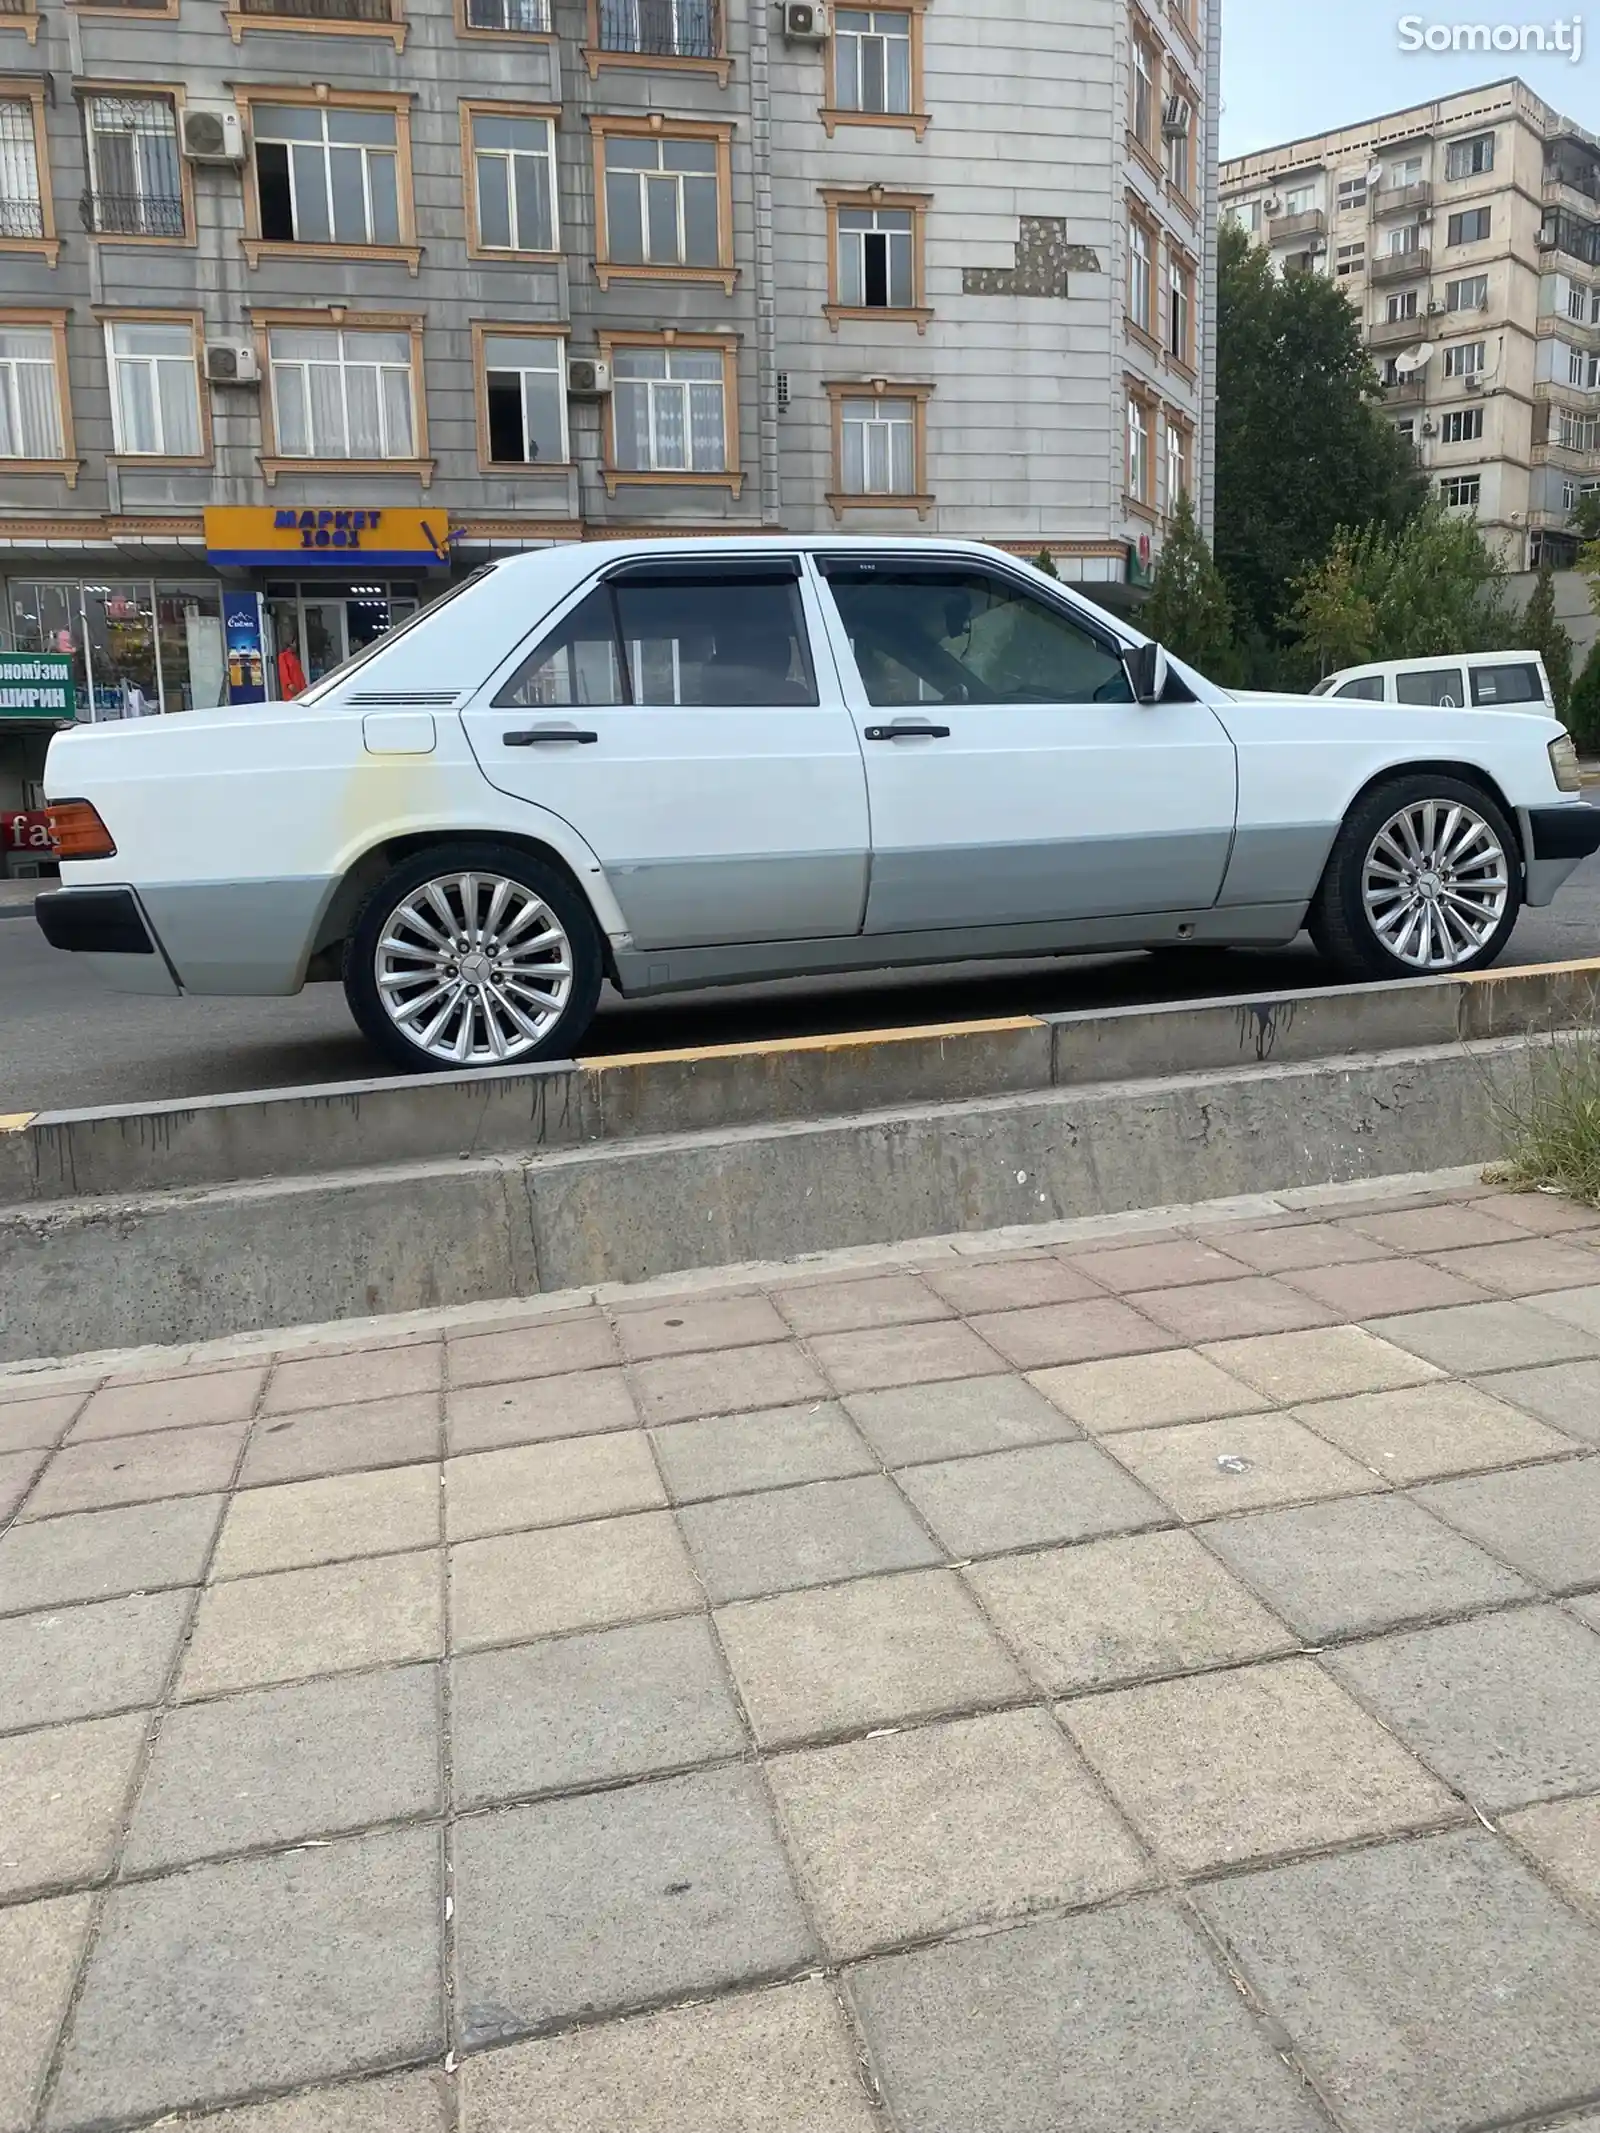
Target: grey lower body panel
685	969
762	896
1544	877
239	938
1019	884
1282	863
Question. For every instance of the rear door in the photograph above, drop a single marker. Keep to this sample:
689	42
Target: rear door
677	717
1012	777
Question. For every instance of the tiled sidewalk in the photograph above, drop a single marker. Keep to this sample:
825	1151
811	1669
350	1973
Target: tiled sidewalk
1147	1688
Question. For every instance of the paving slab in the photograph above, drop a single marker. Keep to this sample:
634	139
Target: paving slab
368	1373
590	1709
1566	1395
816	1534
1544	1520
1563	1838
1424	1431
1475	1338
171	1403
1289	1247
906	1355
1529	1267
100	1555
557	1348
27	1425
1181	1263
971	1822
558	1484
18	1471
274	1766
841	1658
1541	1213
1145	1391
1072	1333
908	1424
1050	2026
1434	1228
1577	1307
1202	1469
333	1619
298	1523
64	1790
611	1900
1119	1611
208	1986
730	1455
84	1661
676	1388
394	2103
1429	1986
122	1470
1221	1768
480	1418
1029	1497
1010	1284
1507	1707
1383	1287
1367	1563
699	1323
1323	1364
515	1586
339	1440
1226	1310
40	1946
851	1306
779	2059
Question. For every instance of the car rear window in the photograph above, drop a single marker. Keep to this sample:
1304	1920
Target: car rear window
1518	683
1430	685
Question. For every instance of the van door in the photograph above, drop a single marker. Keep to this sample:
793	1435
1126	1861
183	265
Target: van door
675	715
1441	685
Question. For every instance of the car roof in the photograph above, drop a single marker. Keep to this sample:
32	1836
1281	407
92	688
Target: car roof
1431	659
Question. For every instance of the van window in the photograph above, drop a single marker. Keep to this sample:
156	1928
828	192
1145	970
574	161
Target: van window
1369	688
1518	684
1430	685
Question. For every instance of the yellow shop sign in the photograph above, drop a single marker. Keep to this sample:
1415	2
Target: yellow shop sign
246	536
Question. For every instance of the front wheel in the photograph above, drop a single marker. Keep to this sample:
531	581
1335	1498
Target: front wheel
1425	880
473	955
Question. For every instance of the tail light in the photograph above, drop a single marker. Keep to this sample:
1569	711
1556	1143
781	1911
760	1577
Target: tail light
76	831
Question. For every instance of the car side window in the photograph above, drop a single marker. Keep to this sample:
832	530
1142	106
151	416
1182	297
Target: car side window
1431	685
1369	688
725	639
1517	684
928	635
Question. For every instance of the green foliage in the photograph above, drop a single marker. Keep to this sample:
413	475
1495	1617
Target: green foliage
1302	447
1552	1120
1046	562
1585	520
1541	632
1583	705
1188	609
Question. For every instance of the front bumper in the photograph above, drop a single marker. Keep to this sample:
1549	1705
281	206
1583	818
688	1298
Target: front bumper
108	928
1570	832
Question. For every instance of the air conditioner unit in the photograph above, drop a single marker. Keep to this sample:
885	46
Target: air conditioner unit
212	134
1177	116
1430	428
807	21
232	363
588	378
1435	309
1547	240
1316	245
1272	205
1424	214
1473	382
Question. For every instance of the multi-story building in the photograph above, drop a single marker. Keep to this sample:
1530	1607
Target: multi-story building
329	300
1466	232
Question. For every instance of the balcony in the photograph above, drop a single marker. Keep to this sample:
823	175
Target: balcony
1405	392
1400	199
523	18
1397	332
1283	229
20	218
21	15
133	215
660	29
1401	266
351	18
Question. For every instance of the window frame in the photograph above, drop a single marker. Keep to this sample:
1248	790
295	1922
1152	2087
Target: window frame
393	31
1461	481
30	90
1460	282
107	317
473	108
1464	143
731	477
1464	417
1176	424
595	55
919	497
313	318
54	319
623	126
1185	190
466	29
256	247
866	199
1141	219
1137	394
502	329
86	92
1462	215
1456	368
1182	278
1143	39
918	119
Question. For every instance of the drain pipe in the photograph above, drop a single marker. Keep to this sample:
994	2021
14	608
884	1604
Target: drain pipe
766	281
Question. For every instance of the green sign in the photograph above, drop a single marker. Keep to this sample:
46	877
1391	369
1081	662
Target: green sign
37	685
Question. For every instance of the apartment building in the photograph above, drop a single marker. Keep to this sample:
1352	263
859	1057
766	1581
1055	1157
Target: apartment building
330	300
1466	232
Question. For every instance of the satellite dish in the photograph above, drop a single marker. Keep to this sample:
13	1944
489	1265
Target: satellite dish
1374	173
1413	360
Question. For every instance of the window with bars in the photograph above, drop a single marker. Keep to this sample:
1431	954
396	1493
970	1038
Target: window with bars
878	447
514	182
30	394
666	29
662	202
669	410
21	196
526	18
877	268
341	394
135	177
155	388
871	60
525	399
326	174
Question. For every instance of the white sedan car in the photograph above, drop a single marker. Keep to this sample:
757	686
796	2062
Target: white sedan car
684	763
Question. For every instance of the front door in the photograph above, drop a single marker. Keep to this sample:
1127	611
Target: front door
676	717
1012	778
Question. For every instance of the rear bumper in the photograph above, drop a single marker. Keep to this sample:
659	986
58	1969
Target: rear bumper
108	928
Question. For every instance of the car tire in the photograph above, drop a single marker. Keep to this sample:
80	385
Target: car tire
1393	904
516	982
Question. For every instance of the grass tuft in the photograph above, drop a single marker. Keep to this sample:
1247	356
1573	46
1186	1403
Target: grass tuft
1551	1119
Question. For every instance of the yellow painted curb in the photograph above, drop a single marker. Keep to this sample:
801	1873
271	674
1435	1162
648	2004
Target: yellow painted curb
16	1121
840	1041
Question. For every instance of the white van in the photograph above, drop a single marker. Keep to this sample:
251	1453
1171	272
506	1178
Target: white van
1488	681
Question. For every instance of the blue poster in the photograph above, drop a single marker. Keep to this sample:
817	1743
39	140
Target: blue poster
241	624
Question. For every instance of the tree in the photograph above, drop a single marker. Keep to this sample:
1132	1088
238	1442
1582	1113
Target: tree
1431	587
1541	632
1583	706
1302	447
1046	562
1188	609
1331	618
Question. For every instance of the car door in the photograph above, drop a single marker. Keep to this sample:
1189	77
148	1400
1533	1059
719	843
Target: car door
675	715
1012	777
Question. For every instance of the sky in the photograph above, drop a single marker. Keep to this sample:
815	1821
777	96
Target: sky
1290	67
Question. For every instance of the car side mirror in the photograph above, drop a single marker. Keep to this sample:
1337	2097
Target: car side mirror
1146	667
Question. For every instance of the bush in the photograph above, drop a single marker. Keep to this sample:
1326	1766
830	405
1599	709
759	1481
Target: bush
1583	705
1553	1120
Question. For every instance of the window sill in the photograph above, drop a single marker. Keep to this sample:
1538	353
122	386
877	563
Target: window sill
1145	338
669	62
1136	507
616	478
258	248
606	271
185	242
1184	368
523	259
1182	202
301	25
46	248
527	469
28	24
839	503
916	122
158	459
271	467
906	315
65	469
1185	28
1146	157
125	13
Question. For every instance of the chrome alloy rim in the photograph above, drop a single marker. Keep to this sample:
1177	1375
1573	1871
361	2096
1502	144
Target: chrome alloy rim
474	969
1435	884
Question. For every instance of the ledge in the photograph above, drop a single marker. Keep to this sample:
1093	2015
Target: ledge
606	271
669	62
916	122
65	469
916	315
839	503
407	255
315	26
272	466
46	248
616	478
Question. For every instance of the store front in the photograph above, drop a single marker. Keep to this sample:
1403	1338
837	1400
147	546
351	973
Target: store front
138	646
323	624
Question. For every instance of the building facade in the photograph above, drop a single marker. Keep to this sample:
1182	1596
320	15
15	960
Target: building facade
1466	232
330	300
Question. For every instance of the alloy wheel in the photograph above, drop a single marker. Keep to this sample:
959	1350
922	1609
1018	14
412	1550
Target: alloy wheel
474	969
1435	884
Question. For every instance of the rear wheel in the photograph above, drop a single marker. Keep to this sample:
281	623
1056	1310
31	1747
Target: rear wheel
1425	879
473	955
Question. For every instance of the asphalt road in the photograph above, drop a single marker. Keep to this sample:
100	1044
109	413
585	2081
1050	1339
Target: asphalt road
66	1041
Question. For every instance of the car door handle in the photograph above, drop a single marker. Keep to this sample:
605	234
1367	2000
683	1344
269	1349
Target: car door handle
537	736
908	730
